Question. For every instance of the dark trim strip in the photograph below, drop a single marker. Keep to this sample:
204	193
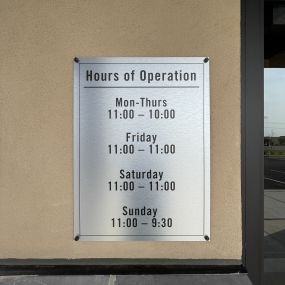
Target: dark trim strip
118	269
121	262
252	64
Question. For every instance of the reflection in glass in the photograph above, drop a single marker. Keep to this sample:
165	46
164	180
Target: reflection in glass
274	169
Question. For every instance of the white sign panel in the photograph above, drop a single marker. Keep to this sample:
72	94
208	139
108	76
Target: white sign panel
141	149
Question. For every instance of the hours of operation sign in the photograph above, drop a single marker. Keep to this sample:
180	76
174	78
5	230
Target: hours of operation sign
141	149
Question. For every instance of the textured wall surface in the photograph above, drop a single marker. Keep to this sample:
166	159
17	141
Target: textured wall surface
39	39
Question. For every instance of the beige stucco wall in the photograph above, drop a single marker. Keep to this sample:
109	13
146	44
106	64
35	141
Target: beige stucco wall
39	39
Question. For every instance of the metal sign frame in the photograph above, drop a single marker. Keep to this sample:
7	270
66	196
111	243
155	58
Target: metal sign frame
132	63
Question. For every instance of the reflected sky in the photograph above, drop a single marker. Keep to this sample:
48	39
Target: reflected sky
274	102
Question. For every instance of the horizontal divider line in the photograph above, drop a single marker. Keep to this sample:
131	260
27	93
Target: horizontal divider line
98	87
141	235
274	219
141	63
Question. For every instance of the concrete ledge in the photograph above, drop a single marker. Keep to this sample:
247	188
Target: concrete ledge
181	279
